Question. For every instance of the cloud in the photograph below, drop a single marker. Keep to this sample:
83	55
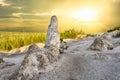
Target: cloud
37	15
7	9
17	14
17	7
26	8
2	3
43	9
8	16
116	1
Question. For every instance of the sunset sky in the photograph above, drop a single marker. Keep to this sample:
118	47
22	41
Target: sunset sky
88	15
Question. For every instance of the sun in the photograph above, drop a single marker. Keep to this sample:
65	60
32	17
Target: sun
86	14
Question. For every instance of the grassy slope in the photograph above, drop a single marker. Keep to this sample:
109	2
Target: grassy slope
11	40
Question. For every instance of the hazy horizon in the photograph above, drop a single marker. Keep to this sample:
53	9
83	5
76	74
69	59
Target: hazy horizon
34	15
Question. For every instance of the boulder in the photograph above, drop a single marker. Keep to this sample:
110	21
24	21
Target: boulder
102	43
33	64
115	33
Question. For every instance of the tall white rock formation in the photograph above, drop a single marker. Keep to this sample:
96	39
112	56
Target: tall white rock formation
53	36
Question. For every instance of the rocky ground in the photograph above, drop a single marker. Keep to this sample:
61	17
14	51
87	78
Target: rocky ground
92	58
78	63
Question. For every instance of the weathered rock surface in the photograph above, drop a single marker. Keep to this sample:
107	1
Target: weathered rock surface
63	46
102	43
115	33
37	59
5	64
33	48
32	65
77	64
53	36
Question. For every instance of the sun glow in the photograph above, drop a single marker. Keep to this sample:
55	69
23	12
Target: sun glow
86	14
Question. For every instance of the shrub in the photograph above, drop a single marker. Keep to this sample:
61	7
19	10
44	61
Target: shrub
1	60
114	28
90	35
11	40
72	34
